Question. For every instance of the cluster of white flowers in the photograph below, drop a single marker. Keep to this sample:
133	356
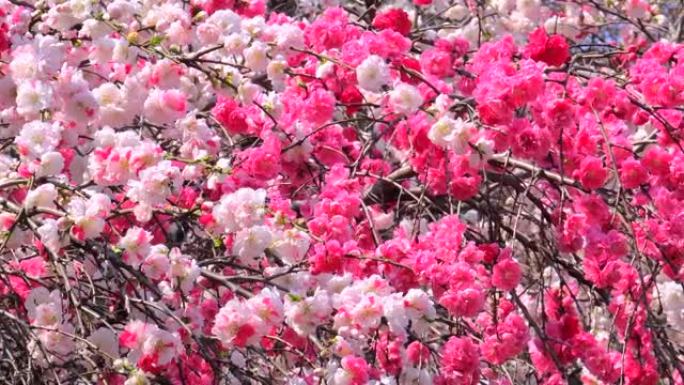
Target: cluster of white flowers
145	339
453	134
305	314
241	209
153	186
89	215
38	138
361	305
241	323
45	312
373	73
405	99
135	245
672	301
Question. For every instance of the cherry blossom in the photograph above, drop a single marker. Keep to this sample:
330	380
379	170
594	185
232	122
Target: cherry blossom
340	192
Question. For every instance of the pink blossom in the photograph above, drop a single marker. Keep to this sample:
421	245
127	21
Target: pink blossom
506	274
459	361
467	302
436	62
343	192
319	107
393	18
553	50
592	174
354	371
163	107
230	115
135	245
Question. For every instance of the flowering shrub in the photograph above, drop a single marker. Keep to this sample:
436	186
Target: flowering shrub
341	192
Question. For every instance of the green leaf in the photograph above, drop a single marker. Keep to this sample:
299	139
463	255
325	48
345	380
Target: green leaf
155	40
217	242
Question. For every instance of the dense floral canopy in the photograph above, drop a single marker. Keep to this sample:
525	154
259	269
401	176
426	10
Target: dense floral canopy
341	192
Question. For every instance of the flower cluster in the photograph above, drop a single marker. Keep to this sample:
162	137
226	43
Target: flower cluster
337	192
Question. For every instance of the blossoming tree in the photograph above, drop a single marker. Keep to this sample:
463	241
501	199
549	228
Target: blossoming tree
341	192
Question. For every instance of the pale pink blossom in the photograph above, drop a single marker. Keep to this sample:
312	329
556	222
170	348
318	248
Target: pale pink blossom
135	245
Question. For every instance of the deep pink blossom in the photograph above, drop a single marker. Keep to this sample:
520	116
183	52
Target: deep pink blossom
552	50
393	18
